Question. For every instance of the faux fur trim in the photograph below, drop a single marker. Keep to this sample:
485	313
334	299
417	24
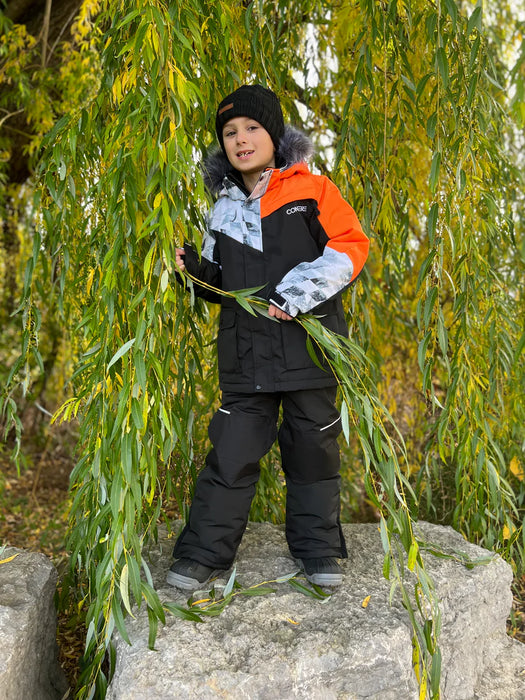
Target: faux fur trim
294	147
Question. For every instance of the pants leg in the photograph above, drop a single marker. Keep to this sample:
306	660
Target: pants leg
241	432
310	459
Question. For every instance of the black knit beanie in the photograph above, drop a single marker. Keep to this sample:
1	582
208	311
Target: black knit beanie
256	102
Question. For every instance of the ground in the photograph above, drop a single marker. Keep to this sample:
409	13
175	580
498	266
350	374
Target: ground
33	516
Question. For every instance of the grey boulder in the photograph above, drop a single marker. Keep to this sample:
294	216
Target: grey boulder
29	668
355	645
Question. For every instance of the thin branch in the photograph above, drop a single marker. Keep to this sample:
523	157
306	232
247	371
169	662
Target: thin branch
45	31
66	24
9	114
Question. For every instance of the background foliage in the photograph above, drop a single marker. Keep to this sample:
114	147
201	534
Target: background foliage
417	111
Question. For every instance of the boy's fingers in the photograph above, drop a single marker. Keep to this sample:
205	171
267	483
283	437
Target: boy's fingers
278	313
179	258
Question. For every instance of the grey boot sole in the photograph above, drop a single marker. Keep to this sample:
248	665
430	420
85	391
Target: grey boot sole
186	582
325	579
321	579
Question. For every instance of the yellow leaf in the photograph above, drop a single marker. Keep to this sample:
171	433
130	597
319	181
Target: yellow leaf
90	279
365	602
198	602
516	468
6	561
117	89
415	660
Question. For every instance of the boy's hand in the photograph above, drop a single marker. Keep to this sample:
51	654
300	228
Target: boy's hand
279	313
179	259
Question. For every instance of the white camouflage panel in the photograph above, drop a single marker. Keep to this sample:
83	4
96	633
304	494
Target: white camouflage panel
208	245
310	283
239	216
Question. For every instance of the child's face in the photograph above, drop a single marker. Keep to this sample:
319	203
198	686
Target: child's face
249	147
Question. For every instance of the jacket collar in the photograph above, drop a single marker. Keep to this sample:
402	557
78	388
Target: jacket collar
294	147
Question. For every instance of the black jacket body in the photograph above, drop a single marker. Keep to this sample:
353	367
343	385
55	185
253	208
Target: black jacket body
296	238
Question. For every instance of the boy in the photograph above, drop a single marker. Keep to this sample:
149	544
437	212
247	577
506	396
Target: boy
278	225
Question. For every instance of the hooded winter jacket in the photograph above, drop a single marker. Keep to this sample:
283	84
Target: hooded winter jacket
295	236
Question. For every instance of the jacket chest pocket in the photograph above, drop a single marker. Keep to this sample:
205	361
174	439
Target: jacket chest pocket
295	350
227	351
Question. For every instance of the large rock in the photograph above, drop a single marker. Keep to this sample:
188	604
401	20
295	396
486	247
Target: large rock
287	645
29	668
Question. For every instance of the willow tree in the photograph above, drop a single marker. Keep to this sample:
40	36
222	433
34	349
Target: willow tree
47	68
414	107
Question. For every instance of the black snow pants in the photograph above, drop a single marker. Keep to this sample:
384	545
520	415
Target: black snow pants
242	432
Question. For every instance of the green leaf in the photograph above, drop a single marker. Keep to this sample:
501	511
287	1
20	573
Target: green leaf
229	586
422	350
257	591
183	613
385	537
307	590
386	566
427	631
453	12
312	353
148	261
153	601
134	578
432	221
442	332
345	422
136	412
413	555
431	125
434	171
435	673
286	577
425	267
474	21
430	302
122	351
124	588
153	628
442	62
245	304
118	617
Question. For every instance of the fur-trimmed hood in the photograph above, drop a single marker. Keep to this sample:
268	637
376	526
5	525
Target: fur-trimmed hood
294	147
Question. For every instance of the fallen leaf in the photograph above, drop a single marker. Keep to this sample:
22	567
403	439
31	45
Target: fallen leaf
5	561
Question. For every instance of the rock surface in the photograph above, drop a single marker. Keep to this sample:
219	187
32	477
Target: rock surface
29	668
286	645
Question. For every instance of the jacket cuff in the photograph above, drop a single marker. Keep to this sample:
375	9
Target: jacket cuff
191	259
277	300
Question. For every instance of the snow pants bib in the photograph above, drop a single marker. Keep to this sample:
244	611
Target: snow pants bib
242	432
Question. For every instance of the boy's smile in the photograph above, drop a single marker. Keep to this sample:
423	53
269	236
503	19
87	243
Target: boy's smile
249	148
244	154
